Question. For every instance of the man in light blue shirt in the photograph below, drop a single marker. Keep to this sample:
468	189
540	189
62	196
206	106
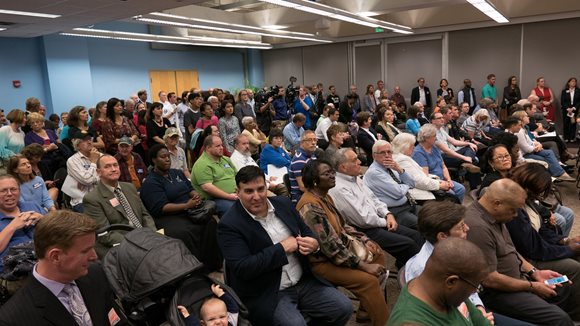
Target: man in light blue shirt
293	132
391	184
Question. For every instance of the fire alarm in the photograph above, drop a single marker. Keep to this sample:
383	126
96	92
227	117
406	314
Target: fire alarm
16	83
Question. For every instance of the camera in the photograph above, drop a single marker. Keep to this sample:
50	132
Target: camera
264	94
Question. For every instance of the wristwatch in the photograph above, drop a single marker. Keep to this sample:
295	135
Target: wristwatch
531	272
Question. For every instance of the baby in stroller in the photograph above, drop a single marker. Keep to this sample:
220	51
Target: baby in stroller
219	310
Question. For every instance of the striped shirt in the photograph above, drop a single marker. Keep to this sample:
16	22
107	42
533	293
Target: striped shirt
298	162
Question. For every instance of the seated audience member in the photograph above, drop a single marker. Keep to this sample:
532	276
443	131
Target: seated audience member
228	126
199	148
403	146
439	295
213	175
366	136
455	152
81	168
535	220
219	310
303	155
131	165
273	153
391	184
11	137
78	120
491	107
156	124
38	134
450	114
242	157
463	114
430	159
114	202
34	153
178	158
207	118
336	135
335	262
293	132
385	126
475	125
514	288
496	164
117	126
256	137
178	209
439	221
348	108
533	149
17	218
362	209
321	129
32	187
266	246
412	125
67	287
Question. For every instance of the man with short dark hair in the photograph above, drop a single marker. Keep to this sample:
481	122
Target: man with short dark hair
66	287
321	129
293	132
467	95
114	202
266	245
489	90
142	94
213	175
422	94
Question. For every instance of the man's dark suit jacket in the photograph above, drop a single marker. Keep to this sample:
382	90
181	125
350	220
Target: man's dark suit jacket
415	96
98	205
366	142
253	263
35	305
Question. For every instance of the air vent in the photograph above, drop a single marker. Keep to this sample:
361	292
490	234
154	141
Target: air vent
6	23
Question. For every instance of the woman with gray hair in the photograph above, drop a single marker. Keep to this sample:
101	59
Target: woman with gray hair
403	145
429	158
257	138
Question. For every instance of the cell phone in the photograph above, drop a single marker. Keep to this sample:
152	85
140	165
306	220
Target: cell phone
557	280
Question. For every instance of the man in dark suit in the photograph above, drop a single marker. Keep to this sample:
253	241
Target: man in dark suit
105	204
265	244
422	94
66	289
366	136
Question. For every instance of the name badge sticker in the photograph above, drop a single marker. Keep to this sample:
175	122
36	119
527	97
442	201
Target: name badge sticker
37	185
114	202
139	171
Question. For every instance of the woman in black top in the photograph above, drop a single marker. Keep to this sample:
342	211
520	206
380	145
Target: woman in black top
156	124
511	95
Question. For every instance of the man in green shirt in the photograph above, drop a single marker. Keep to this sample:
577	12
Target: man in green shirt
489	90
439	295
213	175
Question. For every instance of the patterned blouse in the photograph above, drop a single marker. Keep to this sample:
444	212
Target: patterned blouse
112	131
229	129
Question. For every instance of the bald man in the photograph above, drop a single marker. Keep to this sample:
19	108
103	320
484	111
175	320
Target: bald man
439	295
514	288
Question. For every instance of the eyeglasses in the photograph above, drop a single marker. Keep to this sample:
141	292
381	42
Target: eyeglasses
384	152
5	191
310	140
437	118
478	287
502	157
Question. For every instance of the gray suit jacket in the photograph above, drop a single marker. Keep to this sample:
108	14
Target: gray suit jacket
98	205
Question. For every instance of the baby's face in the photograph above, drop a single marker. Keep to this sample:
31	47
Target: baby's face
214	313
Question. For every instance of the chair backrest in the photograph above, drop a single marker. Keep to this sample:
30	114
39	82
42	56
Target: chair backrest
401	274
287	182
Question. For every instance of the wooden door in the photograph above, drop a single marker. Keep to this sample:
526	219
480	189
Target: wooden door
186	80
161	80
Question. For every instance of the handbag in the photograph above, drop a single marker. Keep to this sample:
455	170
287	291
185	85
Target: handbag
202	213
358	248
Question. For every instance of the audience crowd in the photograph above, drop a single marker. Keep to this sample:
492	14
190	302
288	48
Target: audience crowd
293	197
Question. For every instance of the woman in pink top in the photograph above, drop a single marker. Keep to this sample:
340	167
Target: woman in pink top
207	117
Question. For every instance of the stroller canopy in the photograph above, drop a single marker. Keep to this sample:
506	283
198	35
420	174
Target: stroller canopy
146	261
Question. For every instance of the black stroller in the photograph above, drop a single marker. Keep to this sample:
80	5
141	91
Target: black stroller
151	274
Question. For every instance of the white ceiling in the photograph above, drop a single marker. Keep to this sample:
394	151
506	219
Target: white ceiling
424	16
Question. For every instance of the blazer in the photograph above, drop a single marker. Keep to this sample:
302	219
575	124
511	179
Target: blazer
98	205
415	96
568	102
366	142
253	263
34	304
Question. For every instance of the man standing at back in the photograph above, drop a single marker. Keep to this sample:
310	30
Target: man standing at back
66	287
422	94
489	90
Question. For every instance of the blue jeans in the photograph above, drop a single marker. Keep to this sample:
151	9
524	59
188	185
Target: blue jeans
564	218
309	298
78	208
548	156
222	205
458	191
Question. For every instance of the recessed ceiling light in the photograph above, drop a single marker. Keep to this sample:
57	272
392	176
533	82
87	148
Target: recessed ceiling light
2	29
27	13
275	27
368	13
